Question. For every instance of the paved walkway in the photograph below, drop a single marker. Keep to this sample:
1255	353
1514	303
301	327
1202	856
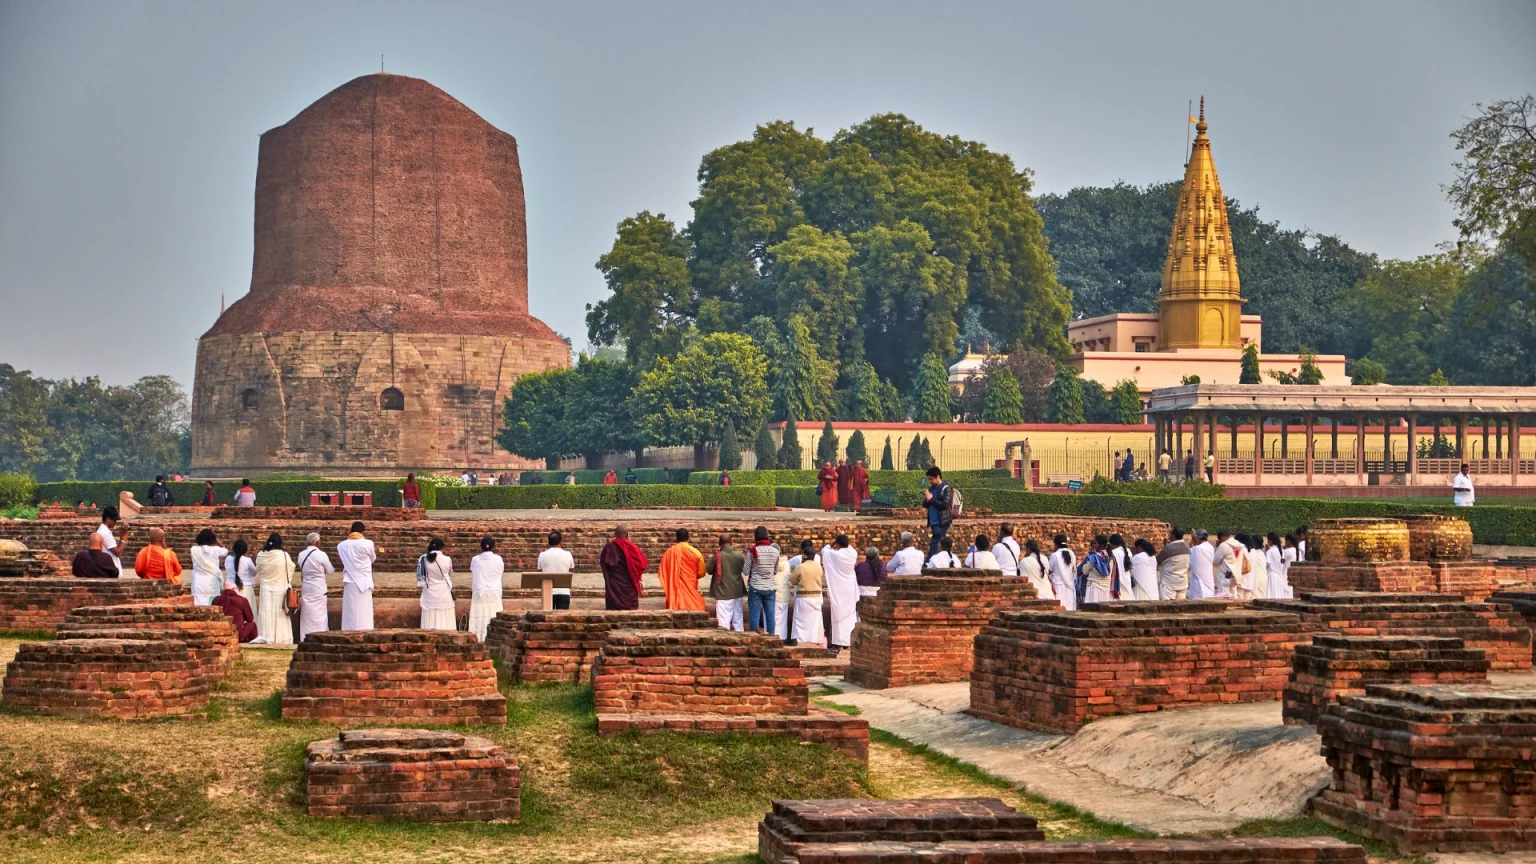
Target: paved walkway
616	516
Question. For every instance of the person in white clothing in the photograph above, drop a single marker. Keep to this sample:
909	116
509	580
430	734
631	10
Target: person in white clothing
556	560
908	560
1034	567
1202	567
945	558
1063	573
1461	486
1122	558
241	570
783	597
485	587
1143	572
1256	579
434	573
357	554
1007	551
980	556
1229	556
314	601
809	583
1301	543
838	561
273	577
207	560
108	531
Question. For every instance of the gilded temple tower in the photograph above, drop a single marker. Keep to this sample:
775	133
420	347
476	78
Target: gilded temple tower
1201	305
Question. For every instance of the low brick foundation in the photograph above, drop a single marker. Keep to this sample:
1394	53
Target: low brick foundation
393	677
43	604
1523	602
1497	630
1055	671
1431	768
1215	851
1470	580
206	630
713	681
1438	538
1335	666
535	647
919	629
33	564
413	775
792	826
151	675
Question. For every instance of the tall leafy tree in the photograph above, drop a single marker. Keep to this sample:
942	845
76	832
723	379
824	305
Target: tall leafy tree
651	305
804	384
871	398
790	458
1495	187
598	416
1498	304
686	399
911	297
1401	312
826	445
887	463
1309	373
1367	372
763	449
1126	403
730	448
1250	372
857	452
810	281
930	393
1067	396
1004	400
24	435
534	416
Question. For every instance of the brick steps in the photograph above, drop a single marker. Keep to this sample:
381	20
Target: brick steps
1216	851
411	774
44	603
1335	666
560	646
792	827
393	677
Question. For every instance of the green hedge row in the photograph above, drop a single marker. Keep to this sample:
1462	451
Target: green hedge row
269	493
994	477
600	497
16	489
585	477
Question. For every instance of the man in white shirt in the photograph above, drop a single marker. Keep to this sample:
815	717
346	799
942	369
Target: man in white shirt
1461	484
908	560
357	554
1301	543
1202	567
315	566
1006	551
838	561
556	560
107	529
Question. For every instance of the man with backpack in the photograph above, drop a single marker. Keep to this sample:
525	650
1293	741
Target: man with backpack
943	503
160	494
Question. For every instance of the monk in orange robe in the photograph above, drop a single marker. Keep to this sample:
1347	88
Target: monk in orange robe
680	569
860	481
155	561
826	479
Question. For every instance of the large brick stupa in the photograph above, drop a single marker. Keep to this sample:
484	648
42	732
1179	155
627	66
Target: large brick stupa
388	311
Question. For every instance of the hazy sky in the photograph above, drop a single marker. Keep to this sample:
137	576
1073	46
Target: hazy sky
128	131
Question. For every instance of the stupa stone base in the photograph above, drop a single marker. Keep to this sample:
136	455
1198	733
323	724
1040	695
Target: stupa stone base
43	604
206	630
559	646
151	675
1335	666
410	775
393	678
793	826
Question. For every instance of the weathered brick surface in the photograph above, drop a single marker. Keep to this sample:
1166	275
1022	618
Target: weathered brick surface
1336	541
206	630
1433	768
919	629
1523	602
1495	629
540	646
1055	671
1438	538
149	675
791	826
1395	577
42	604
32	564
393	677
1212	851
1335	666
413	775
364	514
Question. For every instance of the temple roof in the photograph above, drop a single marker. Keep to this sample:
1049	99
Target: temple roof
1200	260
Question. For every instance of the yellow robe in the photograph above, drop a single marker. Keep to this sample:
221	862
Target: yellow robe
680	569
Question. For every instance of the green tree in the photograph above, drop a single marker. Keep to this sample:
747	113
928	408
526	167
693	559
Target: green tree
1097	406
914	458
911	297
763	449
871	398
651	305
1366	372
1495	187
1066	396
24	435
1498	304
597	414
534	416
1401	312
1309	373
1250	373
925	454
857	452
804	385
810	281
887	462
826	446
789	458
1189	379
1126	400
730	448
930	393
686	399
1004	401
1438	379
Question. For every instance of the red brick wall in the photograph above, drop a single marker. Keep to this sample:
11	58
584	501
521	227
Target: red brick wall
151	675
535	647
393	677
42	604
697	672
1213	851
793	826
1334	666
413	775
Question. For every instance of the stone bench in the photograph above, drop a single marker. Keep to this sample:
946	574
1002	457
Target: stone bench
393	677
1495	629
151	675
205	629
1334	666
414	775
540	646
1433	768
793	826
1301	850
1055	671
42	604
919	629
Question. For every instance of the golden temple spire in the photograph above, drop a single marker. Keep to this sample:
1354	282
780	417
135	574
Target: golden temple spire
1201	305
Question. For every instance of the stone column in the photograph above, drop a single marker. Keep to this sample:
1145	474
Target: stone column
1285	436
1195	444
1514	449
1413	448
1461	437
1258	449
1359	450
1216	463
1308	419
1178	436
1386	444
1333	432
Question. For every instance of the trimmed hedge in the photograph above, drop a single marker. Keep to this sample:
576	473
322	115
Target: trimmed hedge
1101	485
992	477
600	497
269	493
586	477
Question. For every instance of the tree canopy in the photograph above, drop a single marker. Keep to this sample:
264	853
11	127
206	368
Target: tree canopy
686	399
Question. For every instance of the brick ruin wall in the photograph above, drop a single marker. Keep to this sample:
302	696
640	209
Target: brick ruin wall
206	630
149	675
1302	850
393	677
1335	666
792	826
412	775
1473	580
560	646
43	604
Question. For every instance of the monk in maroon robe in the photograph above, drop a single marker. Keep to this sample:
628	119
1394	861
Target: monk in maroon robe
623	564
826	485
860	483
239	611
845	484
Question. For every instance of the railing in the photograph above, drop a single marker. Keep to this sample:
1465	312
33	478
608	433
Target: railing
1285	466
1333	466
1229	465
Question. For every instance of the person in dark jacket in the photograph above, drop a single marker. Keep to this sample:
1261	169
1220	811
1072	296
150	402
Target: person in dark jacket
93	562
159	494
937	499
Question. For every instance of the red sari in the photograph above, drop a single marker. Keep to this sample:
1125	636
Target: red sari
827	478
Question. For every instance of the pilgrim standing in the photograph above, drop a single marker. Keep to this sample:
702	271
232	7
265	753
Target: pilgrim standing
273	577
1036	568
1100	570
1202	567
1063	573
845	484
908	560
485	587
1277	561
357	554
623	565
783	598
679	571
1173	565
809	582
434	573
556	559
762	594
1256	579
726	584
860	483
838	562
207	562
314	567
1006	551
980	556
1144	571
241	570
826	480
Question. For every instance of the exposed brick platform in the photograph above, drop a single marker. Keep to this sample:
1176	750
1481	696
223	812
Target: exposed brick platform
32	564
713	681
1473	580
1335	666
792	826
42	604
414	775
1438	538
206	630
1337	541
1214	851
1394	577
151	675
1055	671
1497	630
543	646
919	629
393	677
1431	768
366	514
1523	602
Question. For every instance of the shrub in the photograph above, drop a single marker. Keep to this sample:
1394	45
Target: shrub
269	493
594	477
1101	485
590	497
16	489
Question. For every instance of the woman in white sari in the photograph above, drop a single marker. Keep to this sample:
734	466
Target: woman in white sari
1063	572
241	570
207	560
485	575
314	601
434	573
1143	572
1036	568
1253	582
274	575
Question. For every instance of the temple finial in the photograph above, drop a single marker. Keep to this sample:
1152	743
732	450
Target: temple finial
1200	126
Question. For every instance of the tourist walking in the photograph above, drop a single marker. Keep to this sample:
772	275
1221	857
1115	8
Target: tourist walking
908	560
159	494
274	576
357	554
155	561
1164	466
239	611
680	570
809	581
241	570
1202	567
434	575
980	556
938	500
1144	571
1063	573
623	566
93	562
314	592
838	562
556	560
726	584
485	587
1034	567
845	484
207	566
411	492
826	486
762	595
1463	494
1006	551
1173	566
870	573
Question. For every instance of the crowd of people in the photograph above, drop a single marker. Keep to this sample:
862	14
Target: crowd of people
842	484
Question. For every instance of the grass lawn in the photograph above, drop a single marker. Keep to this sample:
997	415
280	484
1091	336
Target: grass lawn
229	788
